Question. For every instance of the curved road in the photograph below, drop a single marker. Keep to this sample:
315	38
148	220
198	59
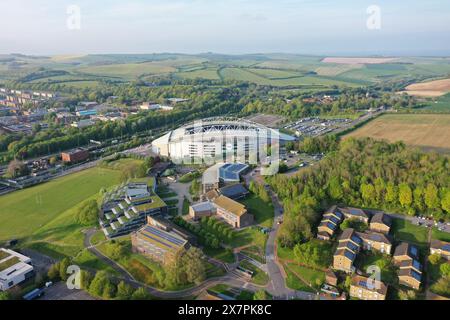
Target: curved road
276	287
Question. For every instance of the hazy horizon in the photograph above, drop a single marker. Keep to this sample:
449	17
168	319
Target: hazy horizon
307	27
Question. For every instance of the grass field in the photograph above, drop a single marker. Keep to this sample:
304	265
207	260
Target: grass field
37	209
428	131
259	276
406	231
262	211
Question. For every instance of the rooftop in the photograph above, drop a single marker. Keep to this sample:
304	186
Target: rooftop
166	240
230	205
369	284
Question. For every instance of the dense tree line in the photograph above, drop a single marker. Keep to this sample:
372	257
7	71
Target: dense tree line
294	105
364	173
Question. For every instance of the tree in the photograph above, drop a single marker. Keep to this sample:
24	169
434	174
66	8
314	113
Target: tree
194	265
355	224
98	284
368	193
407	295
109	290
17	169
124	291
4	296
140	294
405	195
86	279
445	269
260	295
63	266
87	213
335	188
391	192
53	272
445	202
431	196
434	258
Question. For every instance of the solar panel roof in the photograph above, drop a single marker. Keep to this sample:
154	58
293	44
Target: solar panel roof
446	247
415	275
413	250
349	255
416	264
163	235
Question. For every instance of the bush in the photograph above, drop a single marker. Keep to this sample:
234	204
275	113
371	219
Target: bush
124	291
87	214
140	294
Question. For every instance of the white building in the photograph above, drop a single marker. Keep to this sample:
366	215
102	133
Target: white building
219	140
14	268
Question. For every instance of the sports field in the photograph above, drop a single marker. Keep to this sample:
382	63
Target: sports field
24	212
428	131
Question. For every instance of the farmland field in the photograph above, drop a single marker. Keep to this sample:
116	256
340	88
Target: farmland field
24	212
434	88
428	131
344	60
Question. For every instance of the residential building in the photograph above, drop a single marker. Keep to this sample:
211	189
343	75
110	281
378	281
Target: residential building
202	209
355	213
232	212
375	241
410	278
14	268
406	257
381	223
329	224
157	243
367	289
75	155
405	252
348	247
331	278
441	248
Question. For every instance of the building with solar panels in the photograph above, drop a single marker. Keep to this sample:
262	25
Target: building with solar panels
222	174
158	244
367	289
219	140
441	248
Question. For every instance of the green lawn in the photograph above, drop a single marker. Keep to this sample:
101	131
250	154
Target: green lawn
220	254
26	212
309	275
406	231
262	211
440	235
293	282
250	235
88	260
259	276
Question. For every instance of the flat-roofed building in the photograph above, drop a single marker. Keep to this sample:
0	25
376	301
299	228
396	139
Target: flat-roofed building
367	289
157	243
75	155
202	209
14	268
232	212
441	248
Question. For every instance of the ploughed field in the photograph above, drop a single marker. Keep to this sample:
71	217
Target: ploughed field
427	131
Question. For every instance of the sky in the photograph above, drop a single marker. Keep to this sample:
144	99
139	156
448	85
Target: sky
337	27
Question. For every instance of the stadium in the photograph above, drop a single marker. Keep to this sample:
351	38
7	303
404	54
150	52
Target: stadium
220	140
